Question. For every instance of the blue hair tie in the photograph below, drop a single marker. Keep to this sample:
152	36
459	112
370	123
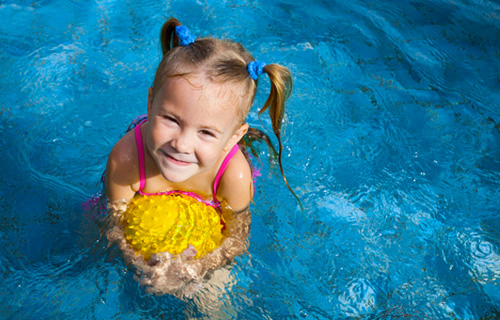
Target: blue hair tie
255	68
185	37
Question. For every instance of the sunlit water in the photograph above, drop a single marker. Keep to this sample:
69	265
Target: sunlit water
392	143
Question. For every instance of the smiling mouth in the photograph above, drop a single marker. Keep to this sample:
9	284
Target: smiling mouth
177	162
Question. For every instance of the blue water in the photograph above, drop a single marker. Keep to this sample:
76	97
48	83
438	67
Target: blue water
392	143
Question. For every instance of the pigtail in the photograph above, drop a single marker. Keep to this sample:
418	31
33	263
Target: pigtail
281	88
168	37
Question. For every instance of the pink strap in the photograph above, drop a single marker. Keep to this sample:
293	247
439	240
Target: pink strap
140	151
223	167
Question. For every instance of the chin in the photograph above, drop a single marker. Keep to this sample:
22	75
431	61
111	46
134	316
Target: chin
174	178
177	176
173	175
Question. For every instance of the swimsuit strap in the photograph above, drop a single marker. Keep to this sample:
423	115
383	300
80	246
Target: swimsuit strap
223	167
140	152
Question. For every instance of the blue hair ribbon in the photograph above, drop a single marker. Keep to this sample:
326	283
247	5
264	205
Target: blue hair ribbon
255	68
185	37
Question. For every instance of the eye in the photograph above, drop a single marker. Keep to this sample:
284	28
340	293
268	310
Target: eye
169	118
207	133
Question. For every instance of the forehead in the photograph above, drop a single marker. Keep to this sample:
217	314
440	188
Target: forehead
213	94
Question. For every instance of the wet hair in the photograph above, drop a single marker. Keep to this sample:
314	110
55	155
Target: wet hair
224	61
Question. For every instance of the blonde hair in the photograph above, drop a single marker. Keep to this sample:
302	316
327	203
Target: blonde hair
224	61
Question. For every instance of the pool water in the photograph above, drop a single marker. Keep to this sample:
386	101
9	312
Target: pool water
392	142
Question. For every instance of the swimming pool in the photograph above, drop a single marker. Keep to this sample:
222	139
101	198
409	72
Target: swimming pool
392	143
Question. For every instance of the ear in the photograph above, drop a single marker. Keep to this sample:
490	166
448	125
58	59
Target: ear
238	134
150	101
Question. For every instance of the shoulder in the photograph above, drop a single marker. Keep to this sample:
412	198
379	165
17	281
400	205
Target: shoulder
236	185
123	152
122	169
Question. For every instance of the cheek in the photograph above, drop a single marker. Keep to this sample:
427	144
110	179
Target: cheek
209	153
160	133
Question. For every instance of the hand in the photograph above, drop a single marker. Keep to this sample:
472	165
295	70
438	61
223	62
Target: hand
189	253
165	273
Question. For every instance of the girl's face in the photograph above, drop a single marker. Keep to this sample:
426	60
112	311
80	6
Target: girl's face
192	123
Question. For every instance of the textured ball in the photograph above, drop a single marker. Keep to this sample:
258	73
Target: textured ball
161	223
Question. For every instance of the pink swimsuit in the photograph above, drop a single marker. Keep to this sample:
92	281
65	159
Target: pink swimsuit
142	171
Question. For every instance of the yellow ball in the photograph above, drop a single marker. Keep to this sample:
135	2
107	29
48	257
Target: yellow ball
162	223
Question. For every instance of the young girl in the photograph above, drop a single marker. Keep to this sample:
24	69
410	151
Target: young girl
202	92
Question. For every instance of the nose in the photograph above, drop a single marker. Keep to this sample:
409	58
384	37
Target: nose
183	143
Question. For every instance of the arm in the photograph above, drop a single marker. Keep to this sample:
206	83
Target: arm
121	177
234	245
122	170
236	190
